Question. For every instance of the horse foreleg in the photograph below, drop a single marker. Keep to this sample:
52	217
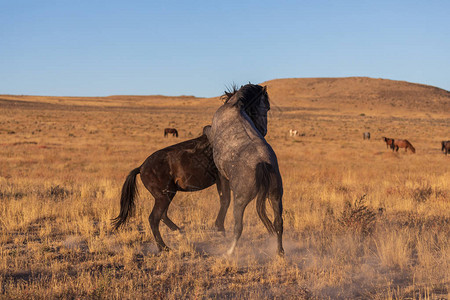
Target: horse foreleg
223	188
238	212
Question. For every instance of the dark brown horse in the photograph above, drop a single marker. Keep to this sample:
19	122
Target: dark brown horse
403	144
187	166
389	142
172	131
445	147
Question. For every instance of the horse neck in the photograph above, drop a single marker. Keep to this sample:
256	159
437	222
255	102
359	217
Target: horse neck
234	126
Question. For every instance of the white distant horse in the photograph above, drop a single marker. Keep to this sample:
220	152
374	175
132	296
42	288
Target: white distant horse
293	132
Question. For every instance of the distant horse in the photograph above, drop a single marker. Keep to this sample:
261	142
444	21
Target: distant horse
445	147
293	132
172	131
389	143
403	144
243	156
366	135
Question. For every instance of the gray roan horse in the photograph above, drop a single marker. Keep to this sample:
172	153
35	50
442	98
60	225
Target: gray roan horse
243	156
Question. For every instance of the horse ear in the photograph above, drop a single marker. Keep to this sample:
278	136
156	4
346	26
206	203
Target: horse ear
265	89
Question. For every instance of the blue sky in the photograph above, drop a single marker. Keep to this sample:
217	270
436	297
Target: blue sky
100	48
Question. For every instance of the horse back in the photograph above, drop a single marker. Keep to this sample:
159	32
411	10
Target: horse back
189	165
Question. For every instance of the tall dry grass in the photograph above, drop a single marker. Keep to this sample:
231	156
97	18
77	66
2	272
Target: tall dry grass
61	170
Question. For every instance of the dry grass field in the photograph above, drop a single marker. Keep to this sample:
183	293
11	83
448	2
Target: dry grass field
360	222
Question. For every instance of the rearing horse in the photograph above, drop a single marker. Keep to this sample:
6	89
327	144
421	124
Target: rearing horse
243	156
187	166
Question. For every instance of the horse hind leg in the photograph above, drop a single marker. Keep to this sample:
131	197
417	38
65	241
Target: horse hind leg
238	212
161	205
223	188
169	222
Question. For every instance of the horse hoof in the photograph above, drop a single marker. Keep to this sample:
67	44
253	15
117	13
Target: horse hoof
163	249
220	227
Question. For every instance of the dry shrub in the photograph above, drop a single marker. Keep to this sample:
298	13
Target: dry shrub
358	216
57	192
422	194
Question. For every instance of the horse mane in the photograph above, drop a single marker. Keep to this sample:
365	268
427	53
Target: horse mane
244	96
231	90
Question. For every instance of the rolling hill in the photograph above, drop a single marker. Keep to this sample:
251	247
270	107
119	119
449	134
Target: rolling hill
358	92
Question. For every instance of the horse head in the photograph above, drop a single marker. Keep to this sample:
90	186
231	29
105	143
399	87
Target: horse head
254	101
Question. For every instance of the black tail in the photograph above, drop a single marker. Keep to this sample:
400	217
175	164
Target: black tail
264	177
129	192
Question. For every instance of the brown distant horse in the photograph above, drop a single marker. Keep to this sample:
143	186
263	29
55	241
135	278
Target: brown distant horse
172	131
403	144
366	135
187	166
389	142
445	147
